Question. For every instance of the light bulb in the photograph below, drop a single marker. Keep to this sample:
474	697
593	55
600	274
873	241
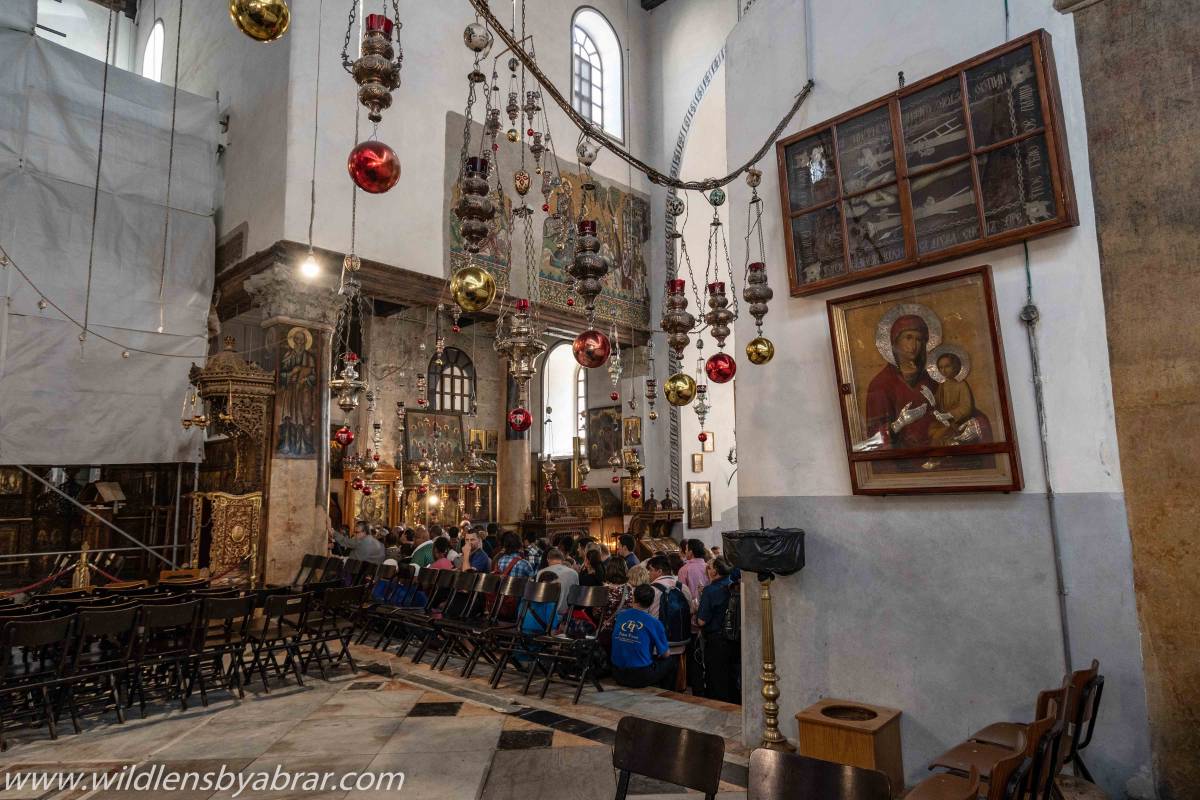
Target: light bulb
309	268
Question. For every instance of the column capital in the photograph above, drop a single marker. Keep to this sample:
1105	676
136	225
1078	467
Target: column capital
286	299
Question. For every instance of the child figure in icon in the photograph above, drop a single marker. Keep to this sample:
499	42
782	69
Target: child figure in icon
958	420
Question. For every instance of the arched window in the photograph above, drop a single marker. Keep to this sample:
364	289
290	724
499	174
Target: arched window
597	72
152	56
581	407
564	392
452	385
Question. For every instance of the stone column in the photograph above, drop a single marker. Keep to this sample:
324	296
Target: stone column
514	492
299	317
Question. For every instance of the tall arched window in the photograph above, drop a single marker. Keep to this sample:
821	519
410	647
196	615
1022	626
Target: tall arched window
581	407
152	56
564	394
452	385
597	71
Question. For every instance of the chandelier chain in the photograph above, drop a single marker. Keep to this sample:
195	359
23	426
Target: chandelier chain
590	129
162	270
87	297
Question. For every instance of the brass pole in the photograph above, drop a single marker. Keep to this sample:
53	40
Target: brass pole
772	739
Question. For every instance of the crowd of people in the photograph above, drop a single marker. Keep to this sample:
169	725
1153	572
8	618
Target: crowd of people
673	620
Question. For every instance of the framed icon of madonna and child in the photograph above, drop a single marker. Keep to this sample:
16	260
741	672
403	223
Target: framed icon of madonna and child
924	394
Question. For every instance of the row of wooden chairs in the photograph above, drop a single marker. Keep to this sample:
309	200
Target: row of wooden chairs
1022	760
76	649
501	620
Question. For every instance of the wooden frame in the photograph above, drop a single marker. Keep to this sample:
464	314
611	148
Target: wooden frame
418	432
697	462
1041	126
699	491
974	452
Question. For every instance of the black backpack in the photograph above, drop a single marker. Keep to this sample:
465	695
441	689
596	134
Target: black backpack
675	613
731	624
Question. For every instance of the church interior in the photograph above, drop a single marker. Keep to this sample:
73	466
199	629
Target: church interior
756	399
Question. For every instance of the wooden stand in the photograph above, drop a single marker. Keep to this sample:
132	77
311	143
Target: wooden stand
856	734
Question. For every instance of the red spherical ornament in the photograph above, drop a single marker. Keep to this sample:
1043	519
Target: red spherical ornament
422	489
614	396
456	328
344	436
583	487
591	349
421	402
519	419
548	488
570	302
703	437
366	490
635	494
720	367
495	147
545	206
472	485
356	484
374	167
376	457
529	132
616	478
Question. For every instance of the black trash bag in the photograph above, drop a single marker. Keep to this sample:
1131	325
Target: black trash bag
773	551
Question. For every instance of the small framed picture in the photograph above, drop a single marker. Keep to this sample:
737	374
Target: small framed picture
699	504
697	462
632	431
710	442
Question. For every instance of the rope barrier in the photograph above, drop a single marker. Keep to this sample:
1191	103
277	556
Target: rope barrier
39	584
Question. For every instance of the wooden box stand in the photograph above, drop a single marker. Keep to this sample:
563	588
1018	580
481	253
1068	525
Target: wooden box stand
856	734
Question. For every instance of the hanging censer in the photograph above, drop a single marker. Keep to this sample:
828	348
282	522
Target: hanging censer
757	293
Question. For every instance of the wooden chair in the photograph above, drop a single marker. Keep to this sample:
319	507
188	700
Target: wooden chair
463	587
669	754
562	655
480	639
476	616
279	631
331	621
534	621
101	657
1008	776
1007	734
165	649
945	786
983	757
30	680
223	634
776	775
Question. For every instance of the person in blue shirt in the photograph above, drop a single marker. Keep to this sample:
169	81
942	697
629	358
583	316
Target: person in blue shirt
625	545
640	654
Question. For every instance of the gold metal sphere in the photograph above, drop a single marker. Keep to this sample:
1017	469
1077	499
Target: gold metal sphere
512	134
680	389
473	288
653	415
261	20
760	350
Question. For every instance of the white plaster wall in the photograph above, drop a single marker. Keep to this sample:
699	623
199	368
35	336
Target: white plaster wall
404	226
250	81
857	53
945	607
85	25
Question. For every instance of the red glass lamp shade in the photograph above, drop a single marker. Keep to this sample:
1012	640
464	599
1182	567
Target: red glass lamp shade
378	22
519	419
374	167
720	368
591	349
344	436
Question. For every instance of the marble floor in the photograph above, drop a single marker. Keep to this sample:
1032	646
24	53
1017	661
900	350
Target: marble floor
451	738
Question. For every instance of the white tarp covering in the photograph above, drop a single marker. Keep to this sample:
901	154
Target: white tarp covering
56	405
19	15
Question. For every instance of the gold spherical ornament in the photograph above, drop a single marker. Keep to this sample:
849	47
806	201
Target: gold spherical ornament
261	20
473	288
653	415
512	134
760	350
680	389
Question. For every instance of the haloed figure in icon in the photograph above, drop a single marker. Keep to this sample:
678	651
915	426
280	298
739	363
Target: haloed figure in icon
900	395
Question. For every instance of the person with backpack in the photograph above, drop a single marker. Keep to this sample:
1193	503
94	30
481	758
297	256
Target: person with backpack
673	607
639	645
721	635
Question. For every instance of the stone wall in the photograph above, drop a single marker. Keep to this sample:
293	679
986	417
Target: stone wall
1144	160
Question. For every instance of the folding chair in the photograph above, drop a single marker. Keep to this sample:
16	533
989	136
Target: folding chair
669	754
223	634
43	646
332	621
101	657
475	617
562	654
457	605
481	638
281	629
165	649
536	618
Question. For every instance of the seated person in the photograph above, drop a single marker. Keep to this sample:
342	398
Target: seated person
441	554
639	645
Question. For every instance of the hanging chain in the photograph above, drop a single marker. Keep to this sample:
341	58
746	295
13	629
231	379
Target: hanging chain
590	129
87	297
162	270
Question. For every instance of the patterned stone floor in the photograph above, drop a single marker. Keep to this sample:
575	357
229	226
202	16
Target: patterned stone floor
452	738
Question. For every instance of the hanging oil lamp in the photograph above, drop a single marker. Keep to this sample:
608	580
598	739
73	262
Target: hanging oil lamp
757	293
521	346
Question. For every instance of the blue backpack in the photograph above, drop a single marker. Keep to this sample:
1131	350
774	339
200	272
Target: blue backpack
675	613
